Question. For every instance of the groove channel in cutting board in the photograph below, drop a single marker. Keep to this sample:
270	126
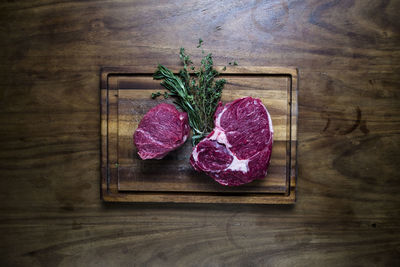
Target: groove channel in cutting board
174	173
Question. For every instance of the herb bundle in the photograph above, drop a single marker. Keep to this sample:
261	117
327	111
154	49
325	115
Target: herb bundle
196	92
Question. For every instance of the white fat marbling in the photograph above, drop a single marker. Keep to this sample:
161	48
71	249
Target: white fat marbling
218	119
239	165
195	154
220	137
269	120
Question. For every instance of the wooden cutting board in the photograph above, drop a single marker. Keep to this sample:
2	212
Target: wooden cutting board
125	98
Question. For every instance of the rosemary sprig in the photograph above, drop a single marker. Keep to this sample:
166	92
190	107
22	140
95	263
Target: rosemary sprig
197	92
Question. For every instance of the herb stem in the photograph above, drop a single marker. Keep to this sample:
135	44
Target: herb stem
197	94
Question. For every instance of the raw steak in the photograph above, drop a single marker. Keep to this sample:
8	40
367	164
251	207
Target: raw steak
239	148
161	130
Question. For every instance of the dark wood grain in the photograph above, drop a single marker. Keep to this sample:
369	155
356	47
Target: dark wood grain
125	98
347	211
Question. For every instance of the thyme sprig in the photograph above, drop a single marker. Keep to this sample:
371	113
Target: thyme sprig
196	92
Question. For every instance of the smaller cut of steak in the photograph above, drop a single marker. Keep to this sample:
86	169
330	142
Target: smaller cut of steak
239	148
161	130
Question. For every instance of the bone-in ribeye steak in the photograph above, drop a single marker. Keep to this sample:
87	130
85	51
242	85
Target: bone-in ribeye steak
162	129
238	150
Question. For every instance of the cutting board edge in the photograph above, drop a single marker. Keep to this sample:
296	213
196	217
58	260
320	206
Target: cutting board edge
289	197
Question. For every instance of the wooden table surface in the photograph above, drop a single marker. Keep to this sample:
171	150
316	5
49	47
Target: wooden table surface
348	207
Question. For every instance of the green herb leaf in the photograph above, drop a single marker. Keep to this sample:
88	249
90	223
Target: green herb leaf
155	95
197	94
200	42
235	63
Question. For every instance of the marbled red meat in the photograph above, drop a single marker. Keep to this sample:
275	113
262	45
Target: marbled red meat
239	148
161	130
